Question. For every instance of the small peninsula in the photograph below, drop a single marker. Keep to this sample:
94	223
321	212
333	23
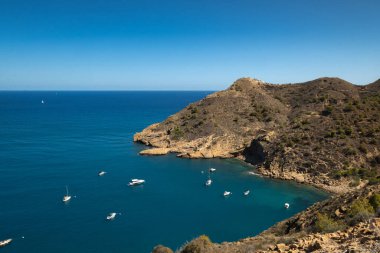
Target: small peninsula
324	132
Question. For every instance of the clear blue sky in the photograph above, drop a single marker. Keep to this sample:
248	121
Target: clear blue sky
184	45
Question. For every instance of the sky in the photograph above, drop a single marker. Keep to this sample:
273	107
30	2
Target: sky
184	45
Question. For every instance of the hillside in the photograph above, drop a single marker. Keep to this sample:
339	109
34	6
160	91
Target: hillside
325	132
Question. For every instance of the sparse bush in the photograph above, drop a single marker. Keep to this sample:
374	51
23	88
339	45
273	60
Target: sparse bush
361	210
355	181
374	200
363	149
161	249
348	108
325	224
349	151
177	133
327	111
199	245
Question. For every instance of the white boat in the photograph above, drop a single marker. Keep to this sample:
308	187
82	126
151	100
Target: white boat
135	182
101	173
286	205
212	170
227	193
246	193
5	242
42	102
67	197
254	174
208	182
111	216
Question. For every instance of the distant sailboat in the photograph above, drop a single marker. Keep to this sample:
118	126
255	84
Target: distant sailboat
67	197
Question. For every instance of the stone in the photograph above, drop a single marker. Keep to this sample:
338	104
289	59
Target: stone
155	151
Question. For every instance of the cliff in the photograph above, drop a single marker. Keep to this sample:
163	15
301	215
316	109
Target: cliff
324	132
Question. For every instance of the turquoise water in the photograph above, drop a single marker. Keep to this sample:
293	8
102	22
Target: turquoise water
73	135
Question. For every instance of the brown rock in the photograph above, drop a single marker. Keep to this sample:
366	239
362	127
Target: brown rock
155	151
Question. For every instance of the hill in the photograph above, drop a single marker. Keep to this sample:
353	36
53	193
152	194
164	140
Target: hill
323	132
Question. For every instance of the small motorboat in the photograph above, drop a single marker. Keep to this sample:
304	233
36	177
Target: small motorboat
42	102
135	182
67	197
227	193
5	242
101	173
111	216
208	182
212	170
254	174
286	205
246	193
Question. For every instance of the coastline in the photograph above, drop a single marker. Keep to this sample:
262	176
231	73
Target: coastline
294	177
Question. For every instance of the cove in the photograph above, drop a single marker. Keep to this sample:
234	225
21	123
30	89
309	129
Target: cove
73	135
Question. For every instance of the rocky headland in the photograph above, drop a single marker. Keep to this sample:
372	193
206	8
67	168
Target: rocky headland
324	132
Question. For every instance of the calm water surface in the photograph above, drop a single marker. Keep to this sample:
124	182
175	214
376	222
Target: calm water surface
73	135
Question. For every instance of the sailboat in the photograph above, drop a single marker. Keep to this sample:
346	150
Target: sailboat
67	197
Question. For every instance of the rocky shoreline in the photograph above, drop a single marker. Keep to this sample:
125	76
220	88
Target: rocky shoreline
322	133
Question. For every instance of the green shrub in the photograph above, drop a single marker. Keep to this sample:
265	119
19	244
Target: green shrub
355	182
374	201
373	180
198	245
360	210
348	108
327	111
161	249
325	224
177	133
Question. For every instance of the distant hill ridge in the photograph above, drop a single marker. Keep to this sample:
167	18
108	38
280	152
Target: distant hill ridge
324	132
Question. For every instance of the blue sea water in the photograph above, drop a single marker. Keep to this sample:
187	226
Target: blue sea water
73	135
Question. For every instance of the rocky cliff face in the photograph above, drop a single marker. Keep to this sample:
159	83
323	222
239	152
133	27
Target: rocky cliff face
324	132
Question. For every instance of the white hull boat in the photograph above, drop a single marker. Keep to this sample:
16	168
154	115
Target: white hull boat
111	216
208	182
5	242
135	182
286	205
227	193
212	170
246	193
101	173
67	197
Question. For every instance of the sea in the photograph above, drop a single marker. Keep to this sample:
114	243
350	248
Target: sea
53	139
